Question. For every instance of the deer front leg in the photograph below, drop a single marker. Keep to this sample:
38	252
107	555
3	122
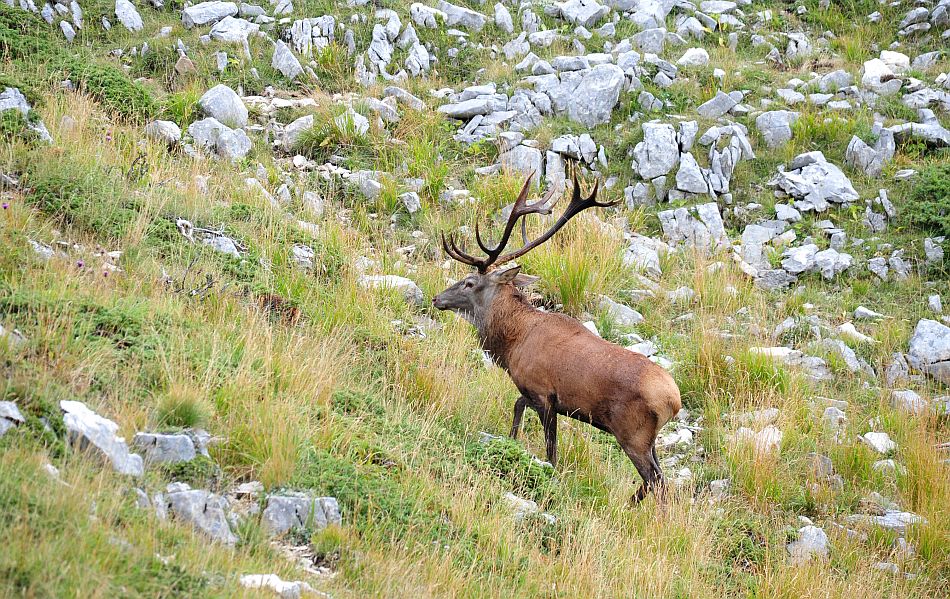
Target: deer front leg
549	419
519	413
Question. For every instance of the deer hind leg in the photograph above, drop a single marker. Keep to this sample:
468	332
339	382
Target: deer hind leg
660	483
643	461
519	413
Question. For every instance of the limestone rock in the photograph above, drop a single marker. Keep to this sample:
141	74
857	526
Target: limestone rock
929	349
88	430
207	12
128	15
222	103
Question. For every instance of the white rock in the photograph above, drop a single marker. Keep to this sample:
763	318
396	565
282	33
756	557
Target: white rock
930	349
128	15
222	103
286	589
776	126
694	57
410	291
621	314
207	12
233	31
849	331
879	442
766	441
503	19
165	131
86	429
285	61
812	543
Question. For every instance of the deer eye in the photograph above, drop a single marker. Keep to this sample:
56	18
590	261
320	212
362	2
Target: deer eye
469	284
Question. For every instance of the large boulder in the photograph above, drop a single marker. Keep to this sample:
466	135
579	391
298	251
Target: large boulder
586	13
523	160
294	130
128	15
596	95
10	416
205	511
658	153
426	16
814	182
164	131
812	543
930	349
586	96
717	106
503	19
207	12
90	431
171	448
459	15
211	134
285	61
307	35
409	290
871	160
466	109
222	103
776	126
299	511
700	227
233	31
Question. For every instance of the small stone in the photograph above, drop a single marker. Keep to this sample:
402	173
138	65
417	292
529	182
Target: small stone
812	543
622	315
879	442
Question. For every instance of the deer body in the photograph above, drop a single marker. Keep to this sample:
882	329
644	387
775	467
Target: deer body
559	366
550	356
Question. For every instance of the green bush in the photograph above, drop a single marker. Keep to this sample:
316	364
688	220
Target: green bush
928	205
13	126
200	472
509	461
372	497
87	200
112	88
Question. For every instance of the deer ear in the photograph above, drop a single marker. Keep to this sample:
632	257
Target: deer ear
505	276
525	280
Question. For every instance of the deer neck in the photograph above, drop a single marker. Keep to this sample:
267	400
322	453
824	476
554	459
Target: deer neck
503	325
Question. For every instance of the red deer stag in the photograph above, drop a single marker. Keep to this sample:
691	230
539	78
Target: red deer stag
559	366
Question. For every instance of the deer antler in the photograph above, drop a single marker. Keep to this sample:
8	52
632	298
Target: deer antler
520	210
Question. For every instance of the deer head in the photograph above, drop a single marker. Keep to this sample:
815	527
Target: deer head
472	296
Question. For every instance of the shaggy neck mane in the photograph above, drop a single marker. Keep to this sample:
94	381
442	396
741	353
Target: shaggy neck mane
503	323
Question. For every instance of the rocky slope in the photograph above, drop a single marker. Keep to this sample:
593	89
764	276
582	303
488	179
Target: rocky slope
223	374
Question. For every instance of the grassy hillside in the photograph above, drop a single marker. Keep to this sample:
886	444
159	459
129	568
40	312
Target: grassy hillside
310	381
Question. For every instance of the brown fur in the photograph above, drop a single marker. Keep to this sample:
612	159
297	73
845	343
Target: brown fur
559	365
280	307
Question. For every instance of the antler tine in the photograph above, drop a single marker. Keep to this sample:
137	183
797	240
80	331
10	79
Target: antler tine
519	210
478	239
455	253
577	205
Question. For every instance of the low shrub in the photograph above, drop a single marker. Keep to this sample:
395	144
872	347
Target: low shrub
928	204
509	461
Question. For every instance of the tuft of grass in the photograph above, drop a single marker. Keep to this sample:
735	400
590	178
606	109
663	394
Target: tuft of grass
583	261
89	200
333	132
182	406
